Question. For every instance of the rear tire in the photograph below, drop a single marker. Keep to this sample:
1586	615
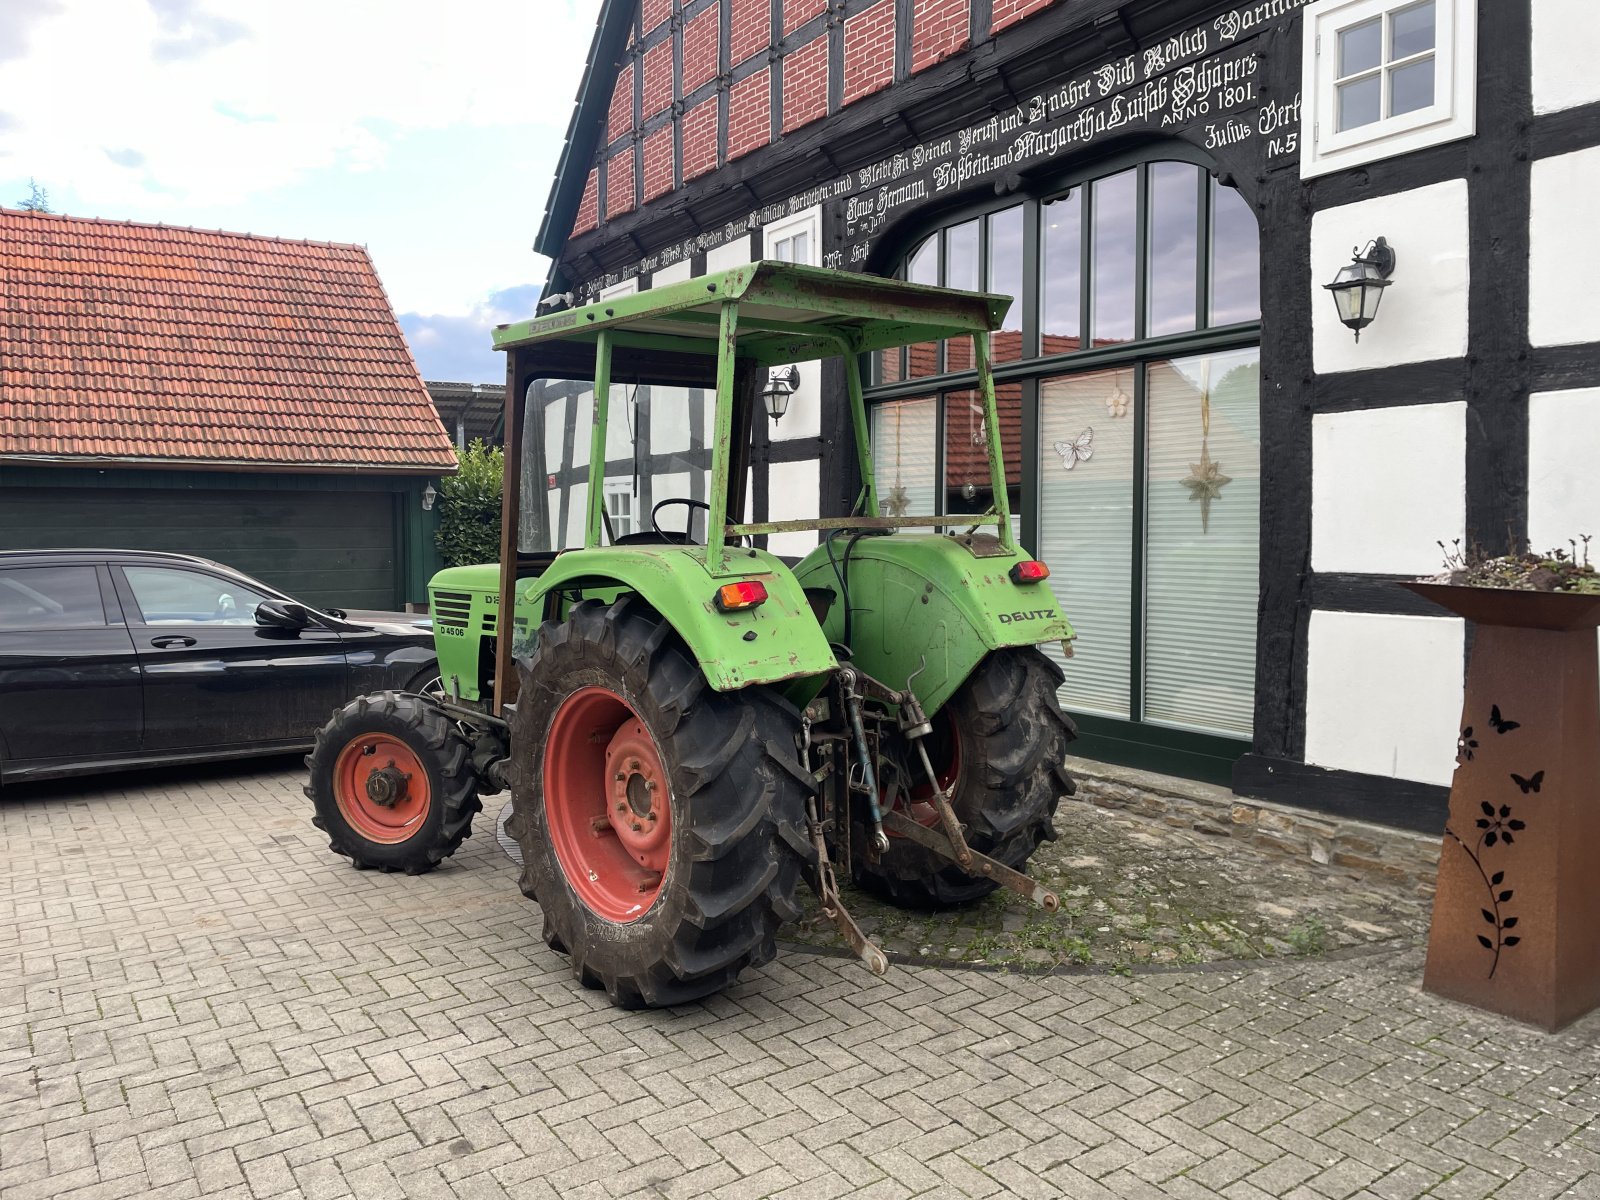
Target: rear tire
662	896
392	783
1011	740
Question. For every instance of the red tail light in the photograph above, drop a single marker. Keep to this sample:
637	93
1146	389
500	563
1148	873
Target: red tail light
734	597
1031	571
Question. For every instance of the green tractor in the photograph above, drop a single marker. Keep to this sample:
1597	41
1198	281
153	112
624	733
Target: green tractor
690	729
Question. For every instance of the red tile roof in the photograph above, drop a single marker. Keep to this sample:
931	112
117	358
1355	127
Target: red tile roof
152	344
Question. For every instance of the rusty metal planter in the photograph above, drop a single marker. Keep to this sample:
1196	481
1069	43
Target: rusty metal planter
1516	920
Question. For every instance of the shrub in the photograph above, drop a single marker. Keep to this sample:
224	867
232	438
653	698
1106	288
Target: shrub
469	507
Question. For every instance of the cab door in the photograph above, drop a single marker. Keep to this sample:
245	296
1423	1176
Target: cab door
212	677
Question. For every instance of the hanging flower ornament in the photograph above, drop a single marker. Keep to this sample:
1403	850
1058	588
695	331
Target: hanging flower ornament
1117	403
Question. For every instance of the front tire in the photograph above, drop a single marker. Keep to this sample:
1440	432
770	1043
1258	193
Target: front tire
392	783
659	820
1009	740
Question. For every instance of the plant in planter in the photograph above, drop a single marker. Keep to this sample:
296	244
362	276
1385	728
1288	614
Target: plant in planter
1554	571
1525	801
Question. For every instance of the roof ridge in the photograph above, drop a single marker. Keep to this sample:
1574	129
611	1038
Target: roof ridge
232	233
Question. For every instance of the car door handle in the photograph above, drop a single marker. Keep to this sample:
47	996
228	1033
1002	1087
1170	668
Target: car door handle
167	641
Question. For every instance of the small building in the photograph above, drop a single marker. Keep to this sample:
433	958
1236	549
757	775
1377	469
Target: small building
471	412
248	399
1227	482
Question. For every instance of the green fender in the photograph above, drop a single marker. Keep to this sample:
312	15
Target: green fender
775	641
928	606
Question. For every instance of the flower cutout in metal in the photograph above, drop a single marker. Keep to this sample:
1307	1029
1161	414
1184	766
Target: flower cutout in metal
1498	826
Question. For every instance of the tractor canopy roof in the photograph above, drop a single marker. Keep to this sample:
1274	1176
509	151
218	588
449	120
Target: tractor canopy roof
786	314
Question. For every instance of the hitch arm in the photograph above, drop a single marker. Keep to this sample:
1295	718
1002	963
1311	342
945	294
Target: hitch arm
982	865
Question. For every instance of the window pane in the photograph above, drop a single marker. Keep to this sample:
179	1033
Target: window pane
1235	258
1411	87
903	452
1086	530
1411	31
1360	102
922	359
1203	520
1062	275
961	270
172	597
1174	247
1112	278
50	598
1360	47
966	449
1005	278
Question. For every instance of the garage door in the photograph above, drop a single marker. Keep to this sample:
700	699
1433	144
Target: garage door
326	548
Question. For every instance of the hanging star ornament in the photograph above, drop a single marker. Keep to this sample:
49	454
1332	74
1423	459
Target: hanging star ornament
897	503
1205	484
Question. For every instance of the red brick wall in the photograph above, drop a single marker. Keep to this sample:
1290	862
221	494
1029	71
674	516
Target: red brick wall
750	29
749	114
939	28
700	48
805	84
620	119
620	196
1009	12
658	163
869	51
589	206
657	78
700	138
655	12
797	12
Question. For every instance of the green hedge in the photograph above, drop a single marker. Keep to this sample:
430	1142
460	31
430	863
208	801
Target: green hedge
469	507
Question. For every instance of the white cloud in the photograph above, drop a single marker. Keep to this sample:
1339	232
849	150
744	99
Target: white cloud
202	102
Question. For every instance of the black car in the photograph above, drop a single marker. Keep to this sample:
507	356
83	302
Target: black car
122	658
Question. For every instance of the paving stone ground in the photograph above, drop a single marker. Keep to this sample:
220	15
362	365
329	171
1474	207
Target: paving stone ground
197	999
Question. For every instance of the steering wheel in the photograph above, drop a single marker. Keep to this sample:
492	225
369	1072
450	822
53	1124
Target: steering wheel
674	533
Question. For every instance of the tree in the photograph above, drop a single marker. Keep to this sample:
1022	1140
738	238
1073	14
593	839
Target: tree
469	507
37	199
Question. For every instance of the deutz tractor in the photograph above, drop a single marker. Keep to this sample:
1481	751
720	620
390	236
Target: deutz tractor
690	728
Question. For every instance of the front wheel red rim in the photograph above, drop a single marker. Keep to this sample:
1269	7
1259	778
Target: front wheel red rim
608	804
382	788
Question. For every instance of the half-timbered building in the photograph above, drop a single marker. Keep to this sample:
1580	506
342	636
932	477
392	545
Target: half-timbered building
1225	478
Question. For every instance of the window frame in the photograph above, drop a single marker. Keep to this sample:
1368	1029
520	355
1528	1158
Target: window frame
1133	740
1452	116
808	222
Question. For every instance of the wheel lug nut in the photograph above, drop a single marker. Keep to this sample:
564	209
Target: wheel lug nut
649	785
619	777
622	807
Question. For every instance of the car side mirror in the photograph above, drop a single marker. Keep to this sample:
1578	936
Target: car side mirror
282	614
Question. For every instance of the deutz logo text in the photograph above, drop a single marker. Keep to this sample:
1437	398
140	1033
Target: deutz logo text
1036	614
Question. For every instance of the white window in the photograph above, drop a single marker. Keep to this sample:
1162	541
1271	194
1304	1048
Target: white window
796	239
1386	77
619	506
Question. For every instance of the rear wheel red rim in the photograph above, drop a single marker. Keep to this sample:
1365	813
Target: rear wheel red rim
608	804
382	788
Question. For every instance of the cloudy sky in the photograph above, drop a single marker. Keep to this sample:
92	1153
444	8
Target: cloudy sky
427	132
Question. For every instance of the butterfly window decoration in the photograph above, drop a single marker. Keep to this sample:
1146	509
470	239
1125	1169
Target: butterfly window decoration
1079	449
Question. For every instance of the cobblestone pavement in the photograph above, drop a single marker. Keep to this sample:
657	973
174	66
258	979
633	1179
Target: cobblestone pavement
197	999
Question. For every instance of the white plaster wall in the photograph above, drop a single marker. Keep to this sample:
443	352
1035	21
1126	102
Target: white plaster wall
678	272
1384	694
794	492
1564	468
1387	485
1564	250
1424	312
724	258
1566	44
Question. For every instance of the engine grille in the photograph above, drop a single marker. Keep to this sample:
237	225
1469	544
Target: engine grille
452	609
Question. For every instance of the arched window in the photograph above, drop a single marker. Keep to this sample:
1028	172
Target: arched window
1128	384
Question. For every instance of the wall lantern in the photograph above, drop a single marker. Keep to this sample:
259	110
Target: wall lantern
1358	288
782	382
429	495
